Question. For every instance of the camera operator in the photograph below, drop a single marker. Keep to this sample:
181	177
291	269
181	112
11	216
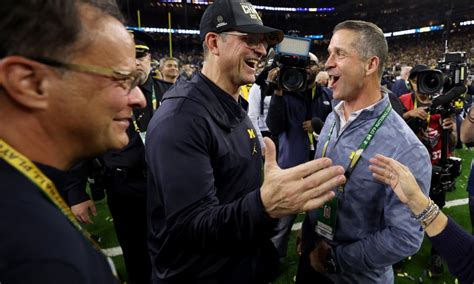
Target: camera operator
289	118
428	127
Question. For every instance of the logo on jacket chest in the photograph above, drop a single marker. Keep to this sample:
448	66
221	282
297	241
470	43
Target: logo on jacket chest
251	133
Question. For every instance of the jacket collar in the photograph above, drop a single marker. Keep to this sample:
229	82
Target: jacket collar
223	109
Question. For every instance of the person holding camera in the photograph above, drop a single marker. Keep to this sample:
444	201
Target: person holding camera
429	128
289	118
454	244
210	216
360	234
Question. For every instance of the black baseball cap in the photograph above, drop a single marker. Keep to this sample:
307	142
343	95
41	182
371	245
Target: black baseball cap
238	15
144	43
416	69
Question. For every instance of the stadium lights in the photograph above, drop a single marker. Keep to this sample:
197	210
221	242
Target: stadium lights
467	23
414	31
314	36
295	9
388	34
266	8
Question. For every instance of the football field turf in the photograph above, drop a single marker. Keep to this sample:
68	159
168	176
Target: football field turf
414	270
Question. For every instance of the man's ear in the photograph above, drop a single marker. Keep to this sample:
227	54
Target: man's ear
211	40
25	81
372	65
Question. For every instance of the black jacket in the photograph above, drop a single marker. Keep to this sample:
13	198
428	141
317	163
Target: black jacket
37	242
206	219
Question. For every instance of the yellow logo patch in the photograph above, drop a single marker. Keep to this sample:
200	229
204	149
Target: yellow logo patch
251	133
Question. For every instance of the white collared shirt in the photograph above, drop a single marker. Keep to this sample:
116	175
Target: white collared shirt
339	109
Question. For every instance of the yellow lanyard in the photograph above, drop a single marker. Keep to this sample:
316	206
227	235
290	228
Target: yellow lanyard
47	187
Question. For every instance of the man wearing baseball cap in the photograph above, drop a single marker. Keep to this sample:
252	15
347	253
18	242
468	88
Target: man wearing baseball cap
210	217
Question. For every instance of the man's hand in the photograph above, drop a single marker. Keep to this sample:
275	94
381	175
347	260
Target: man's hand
298	243
418	112
271	79
319	255
448	124
298	189
81	211
307	126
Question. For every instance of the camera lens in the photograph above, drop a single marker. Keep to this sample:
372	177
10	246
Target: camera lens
430	81
293	79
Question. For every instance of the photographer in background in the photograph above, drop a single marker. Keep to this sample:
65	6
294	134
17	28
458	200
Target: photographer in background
289	118
428	128
400	86
258	107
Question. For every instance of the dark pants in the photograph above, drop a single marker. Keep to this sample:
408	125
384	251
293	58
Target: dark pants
440	200
471	210
283	231
127	204
305	273
470	190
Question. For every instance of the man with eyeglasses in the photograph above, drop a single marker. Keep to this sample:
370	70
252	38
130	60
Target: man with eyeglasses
122	174
210	217
61	100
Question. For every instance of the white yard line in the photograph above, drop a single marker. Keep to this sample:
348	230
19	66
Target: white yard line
113	251
457	202
296	226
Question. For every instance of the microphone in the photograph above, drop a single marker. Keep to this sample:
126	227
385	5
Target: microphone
450	96
317	125
270	58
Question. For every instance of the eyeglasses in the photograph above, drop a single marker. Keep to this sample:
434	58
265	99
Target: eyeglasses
127	80
252	40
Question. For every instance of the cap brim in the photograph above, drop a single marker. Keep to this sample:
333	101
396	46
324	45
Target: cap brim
273	36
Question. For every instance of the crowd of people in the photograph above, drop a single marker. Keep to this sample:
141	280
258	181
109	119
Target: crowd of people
196	195
406	50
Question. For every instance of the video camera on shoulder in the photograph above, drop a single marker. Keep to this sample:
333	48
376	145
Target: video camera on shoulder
292	56
454	66
449	77
452	71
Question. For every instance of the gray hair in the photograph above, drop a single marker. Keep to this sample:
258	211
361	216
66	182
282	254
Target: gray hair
371	42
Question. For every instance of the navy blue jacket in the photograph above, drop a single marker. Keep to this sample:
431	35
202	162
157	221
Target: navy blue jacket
206	219
400	87
285	118
37	242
